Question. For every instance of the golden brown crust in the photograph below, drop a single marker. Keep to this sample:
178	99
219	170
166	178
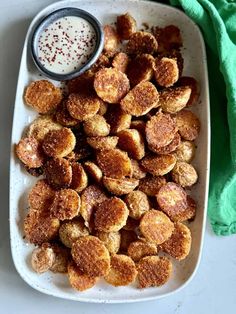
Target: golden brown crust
140	100
159	165
137	203
140	249
43	96
58	172
102	62
41	195
111	40
138	125
150	185
94	171
114	163
156	227
79	177
79	280
111	240
184	174
100	142
137	170
70	231
96	126
91	256
117	119
193	84
29	151
170	148
42	259
111	85
120	61
185	151
166	71
61	258
120	186
132	142
153	271
126	26
110	215
141	42
122	271
188	125
63	117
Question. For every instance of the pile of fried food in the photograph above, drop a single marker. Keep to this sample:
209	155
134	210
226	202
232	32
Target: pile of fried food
115	154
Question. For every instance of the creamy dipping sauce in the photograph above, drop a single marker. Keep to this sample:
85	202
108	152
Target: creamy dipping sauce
66	44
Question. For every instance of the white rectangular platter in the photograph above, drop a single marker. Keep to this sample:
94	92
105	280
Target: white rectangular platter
20	182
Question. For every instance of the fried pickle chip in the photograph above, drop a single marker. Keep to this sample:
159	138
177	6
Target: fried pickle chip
170	148
111	85
41	126
137	203
127	237
43	96
79	177
111	240
58	172
66	204
185	151
179	244
42	259
122	272
140	100
103	108
184	174
102	62
140	69
158	165
150	185
59	143
63	117
101	142
110	215
126	26
174	99
141	42
41	195
82	106
29	152
78	279
186	214
160	131
61	260
96	126
166	71
120	186
140	249
111	40
153	271
138	125
114	163
94	171
71	230
156	227
137	170
168	38
188	125
90	197
91	256
131	141
82	84
172	199
193	84
117	119
120	61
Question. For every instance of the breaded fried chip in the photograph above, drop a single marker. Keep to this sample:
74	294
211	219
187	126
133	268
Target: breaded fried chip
185	151
43	96
29	152
150	185
179	244
188	125
137	170
184	174
140	69
140	249
193	85
82	84
101	142
117	119
138	125
79	177
94	171
120	186
71	230
111	85
91	256
172	199
42	259
140	100
110	215
114	163
158	165
59	143
41	126
111	40
170	148
166	71
137	203
153	271
122	271
120	61
141	42
131	141
103	108
102	62
61	260
156	227
90	197
160	130
63	117
126	26
78	279
168	38
41	195
58	172
111	240
96	126
174	99
66	204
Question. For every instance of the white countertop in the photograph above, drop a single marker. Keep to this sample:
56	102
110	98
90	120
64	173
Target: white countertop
213	289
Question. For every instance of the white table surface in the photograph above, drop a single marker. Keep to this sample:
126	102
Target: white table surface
212	291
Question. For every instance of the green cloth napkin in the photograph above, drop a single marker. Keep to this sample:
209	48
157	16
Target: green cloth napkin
217	20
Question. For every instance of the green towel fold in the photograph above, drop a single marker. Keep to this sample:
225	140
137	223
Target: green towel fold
217	20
